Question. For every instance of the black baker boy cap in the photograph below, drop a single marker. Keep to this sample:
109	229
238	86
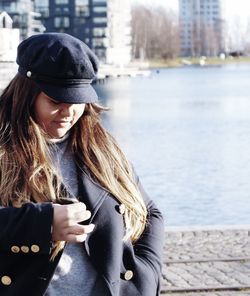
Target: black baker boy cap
61	65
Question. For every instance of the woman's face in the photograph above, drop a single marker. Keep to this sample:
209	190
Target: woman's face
56	118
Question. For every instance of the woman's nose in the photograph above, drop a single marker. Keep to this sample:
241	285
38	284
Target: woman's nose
67	110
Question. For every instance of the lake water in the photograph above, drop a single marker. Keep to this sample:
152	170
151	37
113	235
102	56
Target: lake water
187	132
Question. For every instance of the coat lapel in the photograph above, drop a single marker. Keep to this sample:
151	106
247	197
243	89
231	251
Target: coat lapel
102	245
91	193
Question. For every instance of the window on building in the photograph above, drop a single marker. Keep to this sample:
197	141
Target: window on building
42	6
99	42
82	10
61	22
100	9
99	1
81	21
101	53
44	11
42	2
62	2
99	32
99	20
12	7
81	2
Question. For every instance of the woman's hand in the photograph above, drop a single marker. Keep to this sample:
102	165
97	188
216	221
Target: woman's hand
66	221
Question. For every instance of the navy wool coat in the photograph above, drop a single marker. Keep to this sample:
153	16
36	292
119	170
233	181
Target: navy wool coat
126	268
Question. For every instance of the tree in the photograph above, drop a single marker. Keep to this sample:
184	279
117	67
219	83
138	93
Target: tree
155	33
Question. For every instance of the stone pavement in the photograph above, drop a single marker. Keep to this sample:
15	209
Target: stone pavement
209	261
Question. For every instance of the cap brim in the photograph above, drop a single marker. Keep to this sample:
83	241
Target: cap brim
80	94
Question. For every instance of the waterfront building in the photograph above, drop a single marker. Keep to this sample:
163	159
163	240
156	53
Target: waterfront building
120	35
9	38
23	15
104	25
201	27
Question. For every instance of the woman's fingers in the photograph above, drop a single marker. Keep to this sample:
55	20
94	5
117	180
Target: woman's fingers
79	233
80	229
76	238
79	216
66	221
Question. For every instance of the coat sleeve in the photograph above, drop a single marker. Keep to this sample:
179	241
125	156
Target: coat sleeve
149	248
26	226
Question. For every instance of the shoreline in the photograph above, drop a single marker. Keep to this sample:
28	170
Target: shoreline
221	227
194	62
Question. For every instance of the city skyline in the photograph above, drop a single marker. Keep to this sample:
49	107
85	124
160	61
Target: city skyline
233	8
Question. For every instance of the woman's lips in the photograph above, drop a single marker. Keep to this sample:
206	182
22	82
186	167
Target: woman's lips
62	123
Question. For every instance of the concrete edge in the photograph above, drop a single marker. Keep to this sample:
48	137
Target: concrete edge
206	228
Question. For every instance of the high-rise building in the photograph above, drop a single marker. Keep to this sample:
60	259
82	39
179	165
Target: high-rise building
104	25
119	28
201	27
84	19
9	38
23	16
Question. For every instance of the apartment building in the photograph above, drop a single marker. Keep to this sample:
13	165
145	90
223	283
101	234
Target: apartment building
9	38
119	28
104	25
23	16
201	27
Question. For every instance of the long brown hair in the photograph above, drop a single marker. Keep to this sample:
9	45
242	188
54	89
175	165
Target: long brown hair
27	173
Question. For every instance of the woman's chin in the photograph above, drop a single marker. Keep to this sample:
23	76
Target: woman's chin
60	133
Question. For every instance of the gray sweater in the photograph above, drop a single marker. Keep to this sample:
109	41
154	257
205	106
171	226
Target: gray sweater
75	275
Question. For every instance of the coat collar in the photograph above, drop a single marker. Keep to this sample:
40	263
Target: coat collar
99	245
91	192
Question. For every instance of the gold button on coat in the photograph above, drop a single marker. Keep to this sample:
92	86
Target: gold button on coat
122	209
6	280
35	248
128	275
15	249
25	249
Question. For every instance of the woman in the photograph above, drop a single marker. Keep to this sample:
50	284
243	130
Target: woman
74	218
